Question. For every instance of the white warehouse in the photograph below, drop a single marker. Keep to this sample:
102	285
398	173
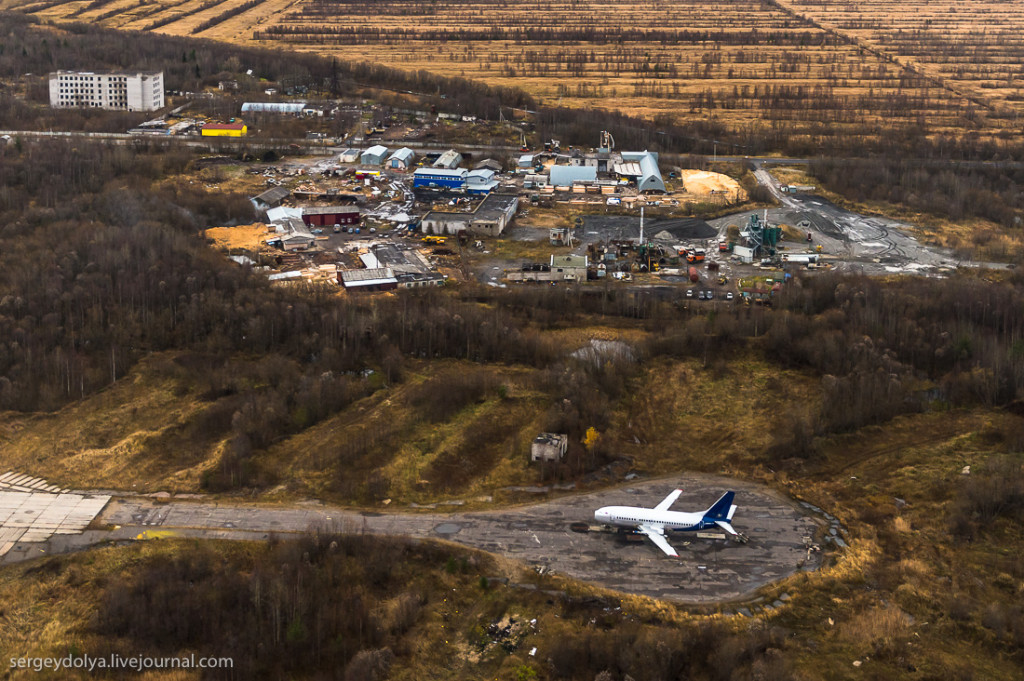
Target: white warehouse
118	90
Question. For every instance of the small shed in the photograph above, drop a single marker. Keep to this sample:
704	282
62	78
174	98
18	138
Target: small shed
374	156
549	447
744	253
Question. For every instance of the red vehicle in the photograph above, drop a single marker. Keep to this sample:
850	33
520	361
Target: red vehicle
694	275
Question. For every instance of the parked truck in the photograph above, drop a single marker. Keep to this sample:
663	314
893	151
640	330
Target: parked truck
694	275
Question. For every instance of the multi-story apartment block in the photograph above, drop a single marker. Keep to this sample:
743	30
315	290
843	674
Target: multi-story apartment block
124	91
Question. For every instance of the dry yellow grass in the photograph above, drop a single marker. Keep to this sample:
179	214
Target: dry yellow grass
970	47
686	60
142	429
684	416
103	440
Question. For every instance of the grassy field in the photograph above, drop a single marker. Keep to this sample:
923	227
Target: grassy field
813	68
970	47
927	590
157	429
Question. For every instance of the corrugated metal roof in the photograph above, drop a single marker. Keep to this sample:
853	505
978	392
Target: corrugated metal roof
481	175
328	210
488	163
282	213
277	276
273	107
628	169
376	150
565	176
273	195
441	172
650	177
371	277
448	159
404	154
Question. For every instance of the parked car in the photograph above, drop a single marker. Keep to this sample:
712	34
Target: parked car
729	296
689	293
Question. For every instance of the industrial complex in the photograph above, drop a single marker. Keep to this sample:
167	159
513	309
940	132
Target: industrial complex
424	208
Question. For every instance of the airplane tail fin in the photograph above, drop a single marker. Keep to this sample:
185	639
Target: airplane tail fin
721	509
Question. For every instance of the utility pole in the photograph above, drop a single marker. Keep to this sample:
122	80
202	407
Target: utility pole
641	226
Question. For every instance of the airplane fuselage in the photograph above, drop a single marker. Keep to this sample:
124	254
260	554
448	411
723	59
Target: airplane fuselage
655	522
668	521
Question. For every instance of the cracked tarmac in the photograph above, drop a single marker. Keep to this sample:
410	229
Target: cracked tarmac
780	534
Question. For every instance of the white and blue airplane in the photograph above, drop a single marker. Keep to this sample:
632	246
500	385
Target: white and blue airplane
655	522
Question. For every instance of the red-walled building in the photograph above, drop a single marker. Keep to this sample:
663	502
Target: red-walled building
328	216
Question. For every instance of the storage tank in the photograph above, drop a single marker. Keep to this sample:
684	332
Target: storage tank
694	275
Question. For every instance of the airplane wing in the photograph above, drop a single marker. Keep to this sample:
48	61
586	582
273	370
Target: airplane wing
655	535
669	500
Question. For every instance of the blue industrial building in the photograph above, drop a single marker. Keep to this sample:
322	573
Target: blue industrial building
454	178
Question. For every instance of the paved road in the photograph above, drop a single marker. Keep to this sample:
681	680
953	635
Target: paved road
424	148
708	570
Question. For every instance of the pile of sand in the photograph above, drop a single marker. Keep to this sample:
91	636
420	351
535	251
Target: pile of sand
243	236
706	183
